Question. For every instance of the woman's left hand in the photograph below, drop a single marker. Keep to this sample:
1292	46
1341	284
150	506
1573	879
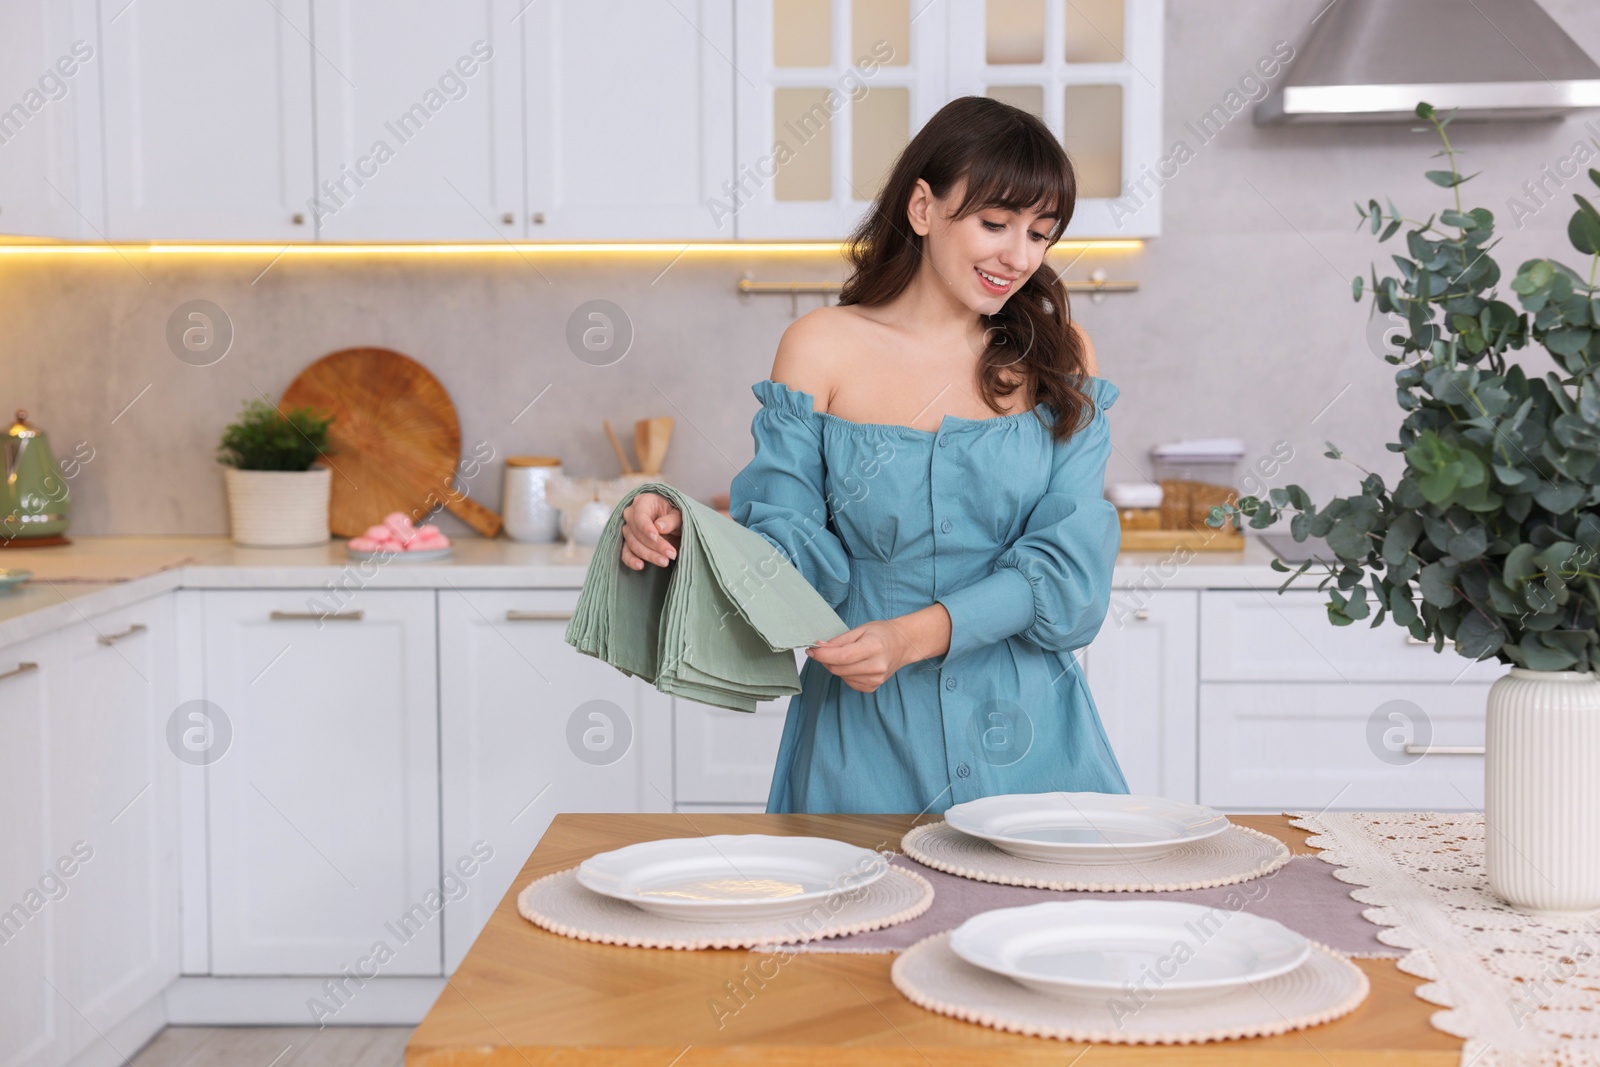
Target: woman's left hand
865	657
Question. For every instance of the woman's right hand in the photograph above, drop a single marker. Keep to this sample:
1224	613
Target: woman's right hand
651	527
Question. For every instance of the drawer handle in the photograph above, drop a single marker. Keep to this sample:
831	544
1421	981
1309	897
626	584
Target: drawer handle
1142	614
111	639
315	616
1413	639
20	668
536	616
1444	750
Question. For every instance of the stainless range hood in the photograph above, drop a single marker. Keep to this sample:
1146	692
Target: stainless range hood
1373	60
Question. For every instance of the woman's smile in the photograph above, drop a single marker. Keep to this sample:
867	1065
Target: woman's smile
999	285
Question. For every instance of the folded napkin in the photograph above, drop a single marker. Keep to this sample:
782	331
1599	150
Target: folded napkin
718	625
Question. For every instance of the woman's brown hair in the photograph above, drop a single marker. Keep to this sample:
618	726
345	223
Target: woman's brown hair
1010	160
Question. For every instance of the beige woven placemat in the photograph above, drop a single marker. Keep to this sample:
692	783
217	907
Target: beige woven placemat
1238	854
1320	990
559	904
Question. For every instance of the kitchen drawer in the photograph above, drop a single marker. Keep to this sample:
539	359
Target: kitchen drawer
1284	746
1265	636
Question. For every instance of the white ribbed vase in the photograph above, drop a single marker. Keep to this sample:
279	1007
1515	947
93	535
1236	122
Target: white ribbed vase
1541	790
277	509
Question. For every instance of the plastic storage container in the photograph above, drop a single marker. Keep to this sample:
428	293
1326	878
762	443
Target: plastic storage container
1138	504
1195	476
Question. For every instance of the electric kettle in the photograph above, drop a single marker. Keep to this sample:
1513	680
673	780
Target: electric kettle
36	500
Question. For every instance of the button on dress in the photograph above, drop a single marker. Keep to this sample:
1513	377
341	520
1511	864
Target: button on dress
990	517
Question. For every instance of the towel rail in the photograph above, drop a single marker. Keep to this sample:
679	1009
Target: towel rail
1096	284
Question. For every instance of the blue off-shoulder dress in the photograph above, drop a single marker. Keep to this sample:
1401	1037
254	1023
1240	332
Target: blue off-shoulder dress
990	517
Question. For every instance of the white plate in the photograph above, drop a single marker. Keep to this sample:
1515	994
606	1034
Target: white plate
732	877
1091	828
1105	948
402	556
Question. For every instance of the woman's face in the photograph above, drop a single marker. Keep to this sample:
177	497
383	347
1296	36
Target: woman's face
985	257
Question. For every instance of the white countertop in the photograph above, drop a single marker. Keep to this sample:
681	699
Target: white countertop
97	574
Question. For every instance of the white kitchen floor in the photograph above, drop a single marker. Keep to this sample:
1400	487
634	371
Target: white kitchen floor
275	1046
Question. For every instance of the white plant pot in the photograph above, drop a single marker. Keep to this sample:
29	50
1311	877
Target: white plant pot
1542	790
275	509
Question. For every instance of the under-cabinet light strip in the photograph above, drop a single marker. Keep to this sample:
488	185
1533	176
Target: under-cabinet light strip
500	248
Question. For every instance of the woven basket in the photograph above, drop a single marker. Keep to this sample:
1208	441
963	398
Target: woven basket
278	508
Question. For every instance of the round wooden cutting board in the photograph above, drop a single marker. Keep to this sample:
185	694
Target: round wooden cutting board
395	438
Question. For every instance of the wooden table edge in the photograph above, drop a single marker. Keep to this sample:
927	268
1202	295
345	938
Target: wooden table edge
442	1038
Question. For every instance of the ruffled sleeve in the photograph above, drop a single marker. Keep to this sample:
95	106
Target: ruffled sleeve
780	493
1052	585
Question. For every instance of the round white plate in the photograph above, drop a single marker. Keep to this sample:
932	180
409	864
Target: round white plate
731	877
11	577
1105	948
418	556
1085	827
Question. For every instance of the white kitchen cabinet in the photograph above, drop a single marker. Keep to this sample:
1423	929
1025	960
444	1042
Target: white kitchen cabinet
629	120
831	90
418	116
32	1016
208	123
1277	746
89	917
1266	636
113	788
324	806
727	757
1092	71
1142	671
531	727
49	120
1298	713
828	93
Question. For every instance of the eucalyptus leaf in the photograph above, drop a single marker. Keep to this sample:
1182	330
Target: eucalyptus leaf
1490	536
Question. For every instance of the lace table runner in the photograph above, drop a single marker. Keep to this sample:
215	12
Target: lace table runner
1521	990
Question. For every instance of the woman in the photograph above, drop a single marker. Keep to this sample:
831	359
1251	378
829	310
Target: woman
930	454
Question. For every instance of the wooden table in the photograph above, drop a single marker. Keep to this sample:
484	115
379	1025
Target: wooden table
525	997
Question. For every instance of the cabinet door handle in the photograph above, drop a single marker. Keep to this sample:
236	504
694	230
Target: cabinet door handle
1412	639
20	668
536	616
1142	614
1444	750
111	639
315	616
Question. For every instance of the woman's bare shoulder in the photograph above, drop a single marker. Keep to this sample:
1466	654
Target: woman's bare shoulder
1089	363
811	352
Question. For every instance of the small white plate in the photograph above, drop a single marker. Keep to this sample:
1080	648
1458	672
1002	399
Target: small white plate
731	877
1101	948
10	577
1094	828
403	556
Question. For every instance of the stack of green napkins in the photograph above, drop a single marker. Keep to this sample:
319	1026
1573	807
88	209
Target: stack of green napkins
718	625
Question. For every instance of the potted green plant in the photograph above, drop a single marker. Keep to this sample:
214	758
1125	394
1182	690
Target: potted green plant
1490	537
277	494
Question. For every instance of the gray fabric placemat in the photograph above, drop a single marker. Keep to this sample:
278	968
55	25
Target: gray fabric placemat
1303	895
718	625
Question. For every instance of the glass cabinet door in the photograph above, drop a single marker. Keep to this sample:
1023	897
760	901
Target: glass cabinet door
1091	70
829	93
